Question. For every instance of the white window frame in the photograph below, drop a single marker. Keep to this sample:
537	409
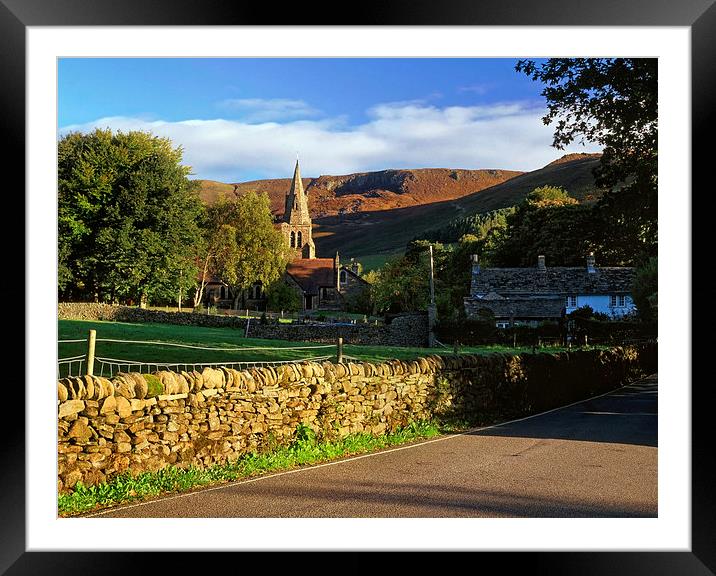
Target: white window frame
617	301
571	301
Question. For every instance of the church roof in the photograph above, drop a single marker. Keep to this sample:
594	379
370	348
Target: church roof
312	273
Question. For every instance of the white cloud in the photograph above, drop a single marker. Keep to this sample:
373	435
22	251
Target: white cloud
396	135
479	88
265	110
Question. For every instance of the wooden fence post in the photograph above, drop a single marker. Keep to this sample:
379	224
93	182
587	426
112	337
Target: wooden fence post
339	350
90	351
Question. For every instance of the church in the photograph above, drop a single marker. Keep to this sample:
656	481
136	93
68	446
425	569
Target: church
321	283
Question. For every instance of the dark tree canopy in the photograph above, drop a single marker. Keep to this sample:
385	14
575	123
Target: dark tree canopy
612	102
127	218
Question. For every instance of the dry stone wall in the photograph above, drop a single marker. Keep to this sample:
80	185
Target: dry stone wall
144	422
404	330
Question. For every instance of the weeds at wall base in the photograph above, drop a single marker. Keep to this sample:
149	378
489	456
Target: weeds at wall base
305	450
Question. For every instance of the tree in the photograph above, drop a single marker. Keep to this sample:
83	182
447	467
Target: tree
280	296
402	285
549	197
645	289
127	218
243	246
612	102
548	222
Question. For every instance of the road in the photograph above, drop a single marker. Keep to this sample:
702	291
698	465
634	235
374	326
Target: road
597	458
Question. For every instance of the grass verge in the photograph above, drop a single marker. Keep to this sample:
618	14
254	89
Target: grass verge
305	450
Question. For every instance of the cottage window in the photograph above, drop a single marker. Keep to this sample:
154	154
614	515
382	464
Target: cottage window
617	301
344	276
571	302
621	301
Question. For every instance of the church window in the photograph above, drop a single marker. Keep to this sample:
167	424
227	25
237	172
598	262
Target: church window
300	239
293	239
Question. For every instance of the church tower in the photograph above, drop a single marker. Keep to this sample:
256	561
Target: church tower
296	223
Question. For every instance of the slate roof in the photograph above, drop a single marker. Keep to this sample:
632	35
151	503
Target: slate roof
354	275
312	273
521	308
552	281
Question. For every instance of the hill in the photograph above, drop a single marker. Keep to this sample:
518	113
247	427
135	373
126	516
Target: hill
372	215
368	191
386	232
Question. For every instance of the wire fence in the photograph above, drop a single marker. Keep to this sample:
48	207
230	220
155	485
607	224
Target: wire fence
107	366
114	365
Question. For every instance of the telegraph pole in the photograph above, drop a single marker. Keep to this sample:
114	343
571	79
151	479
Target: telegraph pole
432	310
432	282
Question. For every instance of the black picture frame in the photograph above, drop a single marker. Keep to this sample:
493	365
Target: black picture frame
699	15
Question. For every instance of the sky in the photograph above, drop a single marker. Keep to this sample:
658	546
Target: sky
244	119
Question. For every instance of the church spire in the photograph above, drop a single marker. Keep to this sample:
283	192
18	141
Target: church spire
296	210
297	183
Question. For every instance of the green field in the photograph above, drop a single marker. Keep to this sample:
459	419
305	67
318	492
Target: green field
240	348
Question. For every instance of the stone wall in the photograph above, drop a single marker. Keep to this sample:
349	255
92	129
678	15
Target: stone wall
403	330
139	423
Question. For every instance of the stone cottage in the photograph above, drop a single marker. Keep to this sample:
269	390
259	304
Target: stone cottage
537	294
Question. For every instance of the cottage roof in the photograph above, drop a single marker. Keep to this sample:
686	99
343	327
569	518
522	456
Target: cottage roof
523	307
552	281
312	273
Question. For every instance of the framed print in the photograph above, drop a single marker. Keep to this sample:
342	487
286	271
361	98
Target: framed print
37	34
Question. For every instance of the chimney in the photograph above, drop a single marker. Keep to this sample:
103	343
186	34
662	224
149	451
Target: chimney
475	264
541	266
590	263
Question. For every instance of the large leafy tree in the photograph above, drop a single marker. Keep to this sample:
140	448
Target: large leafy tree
242	246
127	218
549	222
402	285
613	102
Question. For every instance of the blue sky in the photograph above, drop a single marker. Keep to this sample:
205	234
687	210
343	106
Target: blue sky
243	119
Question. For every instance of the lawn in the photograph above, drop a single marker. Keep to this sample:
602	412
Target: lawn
236	347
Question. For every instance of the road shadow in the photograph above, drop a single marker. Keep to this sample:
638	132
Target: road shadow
378	499
627	416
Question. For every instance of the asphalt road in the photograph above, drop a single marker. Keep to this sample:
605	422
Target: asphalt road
597	458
